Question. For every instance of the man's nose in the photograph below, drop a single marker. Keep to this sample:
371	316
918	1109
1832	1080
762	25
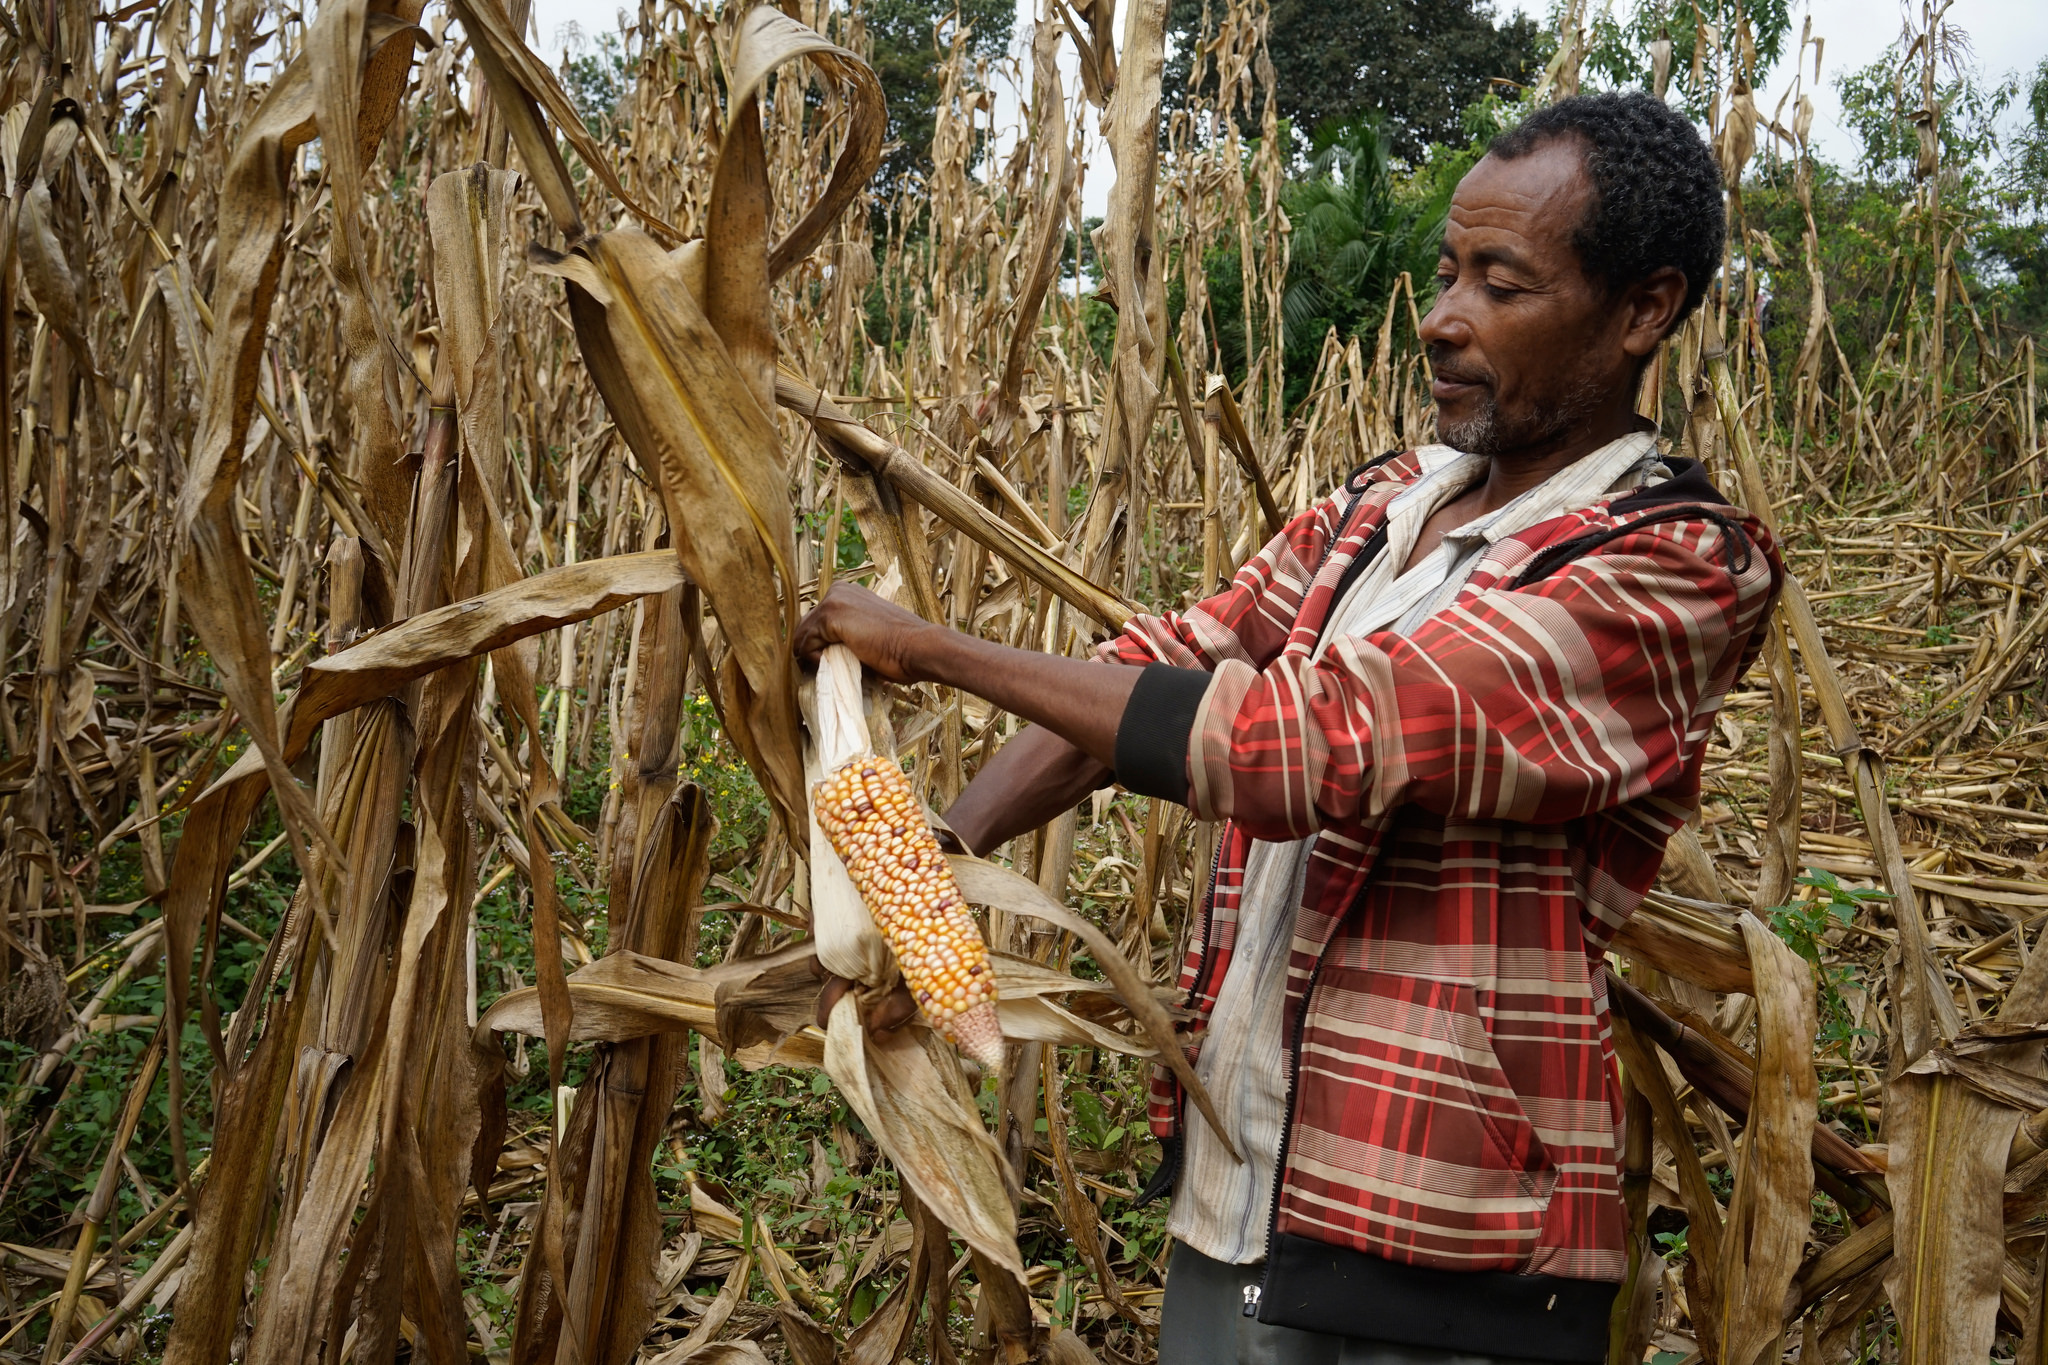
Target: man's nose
1445	324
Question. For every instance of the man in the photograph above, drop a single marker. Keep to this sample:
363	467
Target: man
1451	716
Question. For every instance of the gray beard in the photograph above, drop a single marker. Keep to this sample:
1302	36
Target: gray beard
1487	434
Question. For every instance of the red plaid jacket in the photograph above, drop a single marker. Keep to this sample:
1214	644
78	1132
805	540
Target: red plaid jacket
1492	795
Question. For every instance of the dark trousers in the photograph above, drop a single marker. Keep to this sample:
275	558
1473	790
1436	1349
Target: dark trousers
1202	1322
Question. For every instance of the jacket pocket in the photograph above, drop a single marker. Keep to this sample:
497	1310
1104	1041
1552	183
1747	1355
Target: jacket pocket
1514	1136
1409	1141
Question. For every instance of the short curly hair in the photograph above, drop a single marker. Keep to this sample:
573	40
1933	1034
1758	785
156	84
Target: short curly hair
1656	188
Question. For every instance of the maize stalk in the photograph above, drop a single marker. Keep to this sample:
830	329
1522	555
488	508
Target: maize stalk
867	810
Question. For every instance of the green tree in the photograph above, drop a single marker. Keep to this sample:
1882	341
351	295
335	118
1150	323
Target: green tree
909	40
1992	181
594	73
2017	248
1412	65
1874	251
1354	234
1704	36
1879	102
1358	225
2026	166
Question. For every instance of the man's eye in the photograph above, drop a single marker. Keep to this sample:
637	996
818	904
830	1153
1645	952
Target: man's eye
1501	291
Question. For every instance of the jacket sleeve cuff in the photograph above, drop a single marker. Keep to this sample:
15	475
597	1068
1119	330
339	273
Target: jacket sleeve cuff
1152	738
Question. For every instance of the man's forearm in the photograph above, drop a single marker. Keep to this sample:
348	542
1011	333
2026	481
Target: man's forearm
1082	703
1034	777
1077	709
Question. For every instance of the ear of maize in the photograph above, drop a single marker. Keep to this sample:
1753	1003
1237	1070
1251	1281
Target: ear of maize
868	811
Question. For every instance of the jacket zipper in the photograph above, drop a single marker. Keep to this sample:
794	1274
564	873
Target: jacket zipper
1208	924
1216	862
1254	1292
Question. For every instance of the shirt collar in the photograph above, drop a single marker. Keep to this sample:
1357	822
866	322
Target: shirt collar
1447	471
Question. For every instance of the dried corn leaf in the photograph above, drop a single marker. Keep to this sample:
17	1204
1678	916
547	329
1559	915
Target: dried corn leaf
380	665
869	450
1025	1019
609	1298
686	410
1050	218
368	671
47	272
304	1268
515	73
336	51
768	38
986	883
219	590
1697	941
624	995
1703	1211
681	347
234	1201
765	1003
1947	1164
930	1131
466	220
1772	1205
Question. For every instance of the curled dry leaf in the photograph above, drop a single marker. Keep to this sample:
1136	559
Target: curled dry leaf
1948	1145
923	1120
378	666
987	884
1772	1205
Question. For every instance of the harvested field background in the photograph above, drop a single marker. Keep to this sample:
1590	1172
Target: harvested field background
407	881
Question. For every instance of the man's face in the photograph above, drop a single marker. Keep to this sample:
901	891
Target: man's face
1524	347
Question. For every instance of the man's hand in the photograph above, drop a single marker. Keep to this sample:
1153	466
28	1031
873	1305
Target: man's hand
883	1014
882	634
1080	702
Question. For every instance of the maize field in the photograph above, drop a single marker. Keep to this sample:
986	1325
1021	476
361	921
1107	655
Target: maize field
415	878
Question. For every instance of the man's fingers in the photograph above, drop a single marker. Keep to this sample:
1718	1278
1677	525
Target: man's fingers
816	629
891	1012
809	641
835	986
883	1015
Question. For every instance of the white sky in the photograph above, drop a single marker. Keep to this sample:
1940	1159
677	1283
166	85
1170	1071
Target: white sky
2007	36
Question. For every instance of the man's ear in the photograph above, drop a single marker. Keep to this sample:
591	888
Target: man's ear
1653	306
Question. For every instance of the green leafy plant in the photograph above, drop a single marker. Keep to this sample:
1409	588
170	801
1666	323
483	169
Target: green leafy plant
1803	925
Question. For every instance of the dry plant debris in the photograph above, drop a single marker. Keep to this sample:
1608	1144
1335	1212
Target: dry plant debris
411	493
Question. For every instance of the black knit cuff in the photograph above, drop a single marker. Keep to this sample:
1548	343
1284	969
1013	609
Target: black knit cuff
1165	1175
1158	721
